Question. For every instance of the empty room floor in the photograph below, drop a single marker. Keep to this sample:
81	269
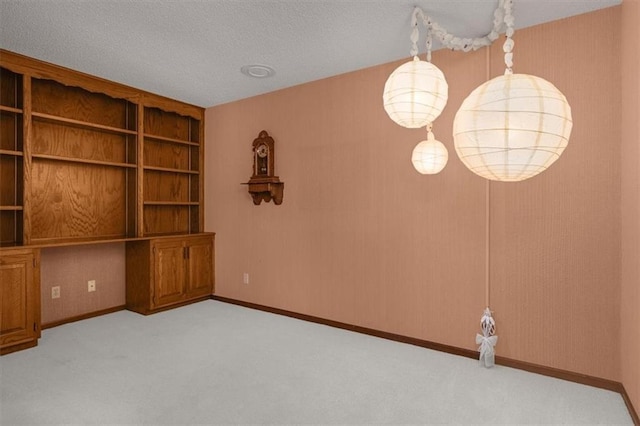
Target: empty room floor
216	363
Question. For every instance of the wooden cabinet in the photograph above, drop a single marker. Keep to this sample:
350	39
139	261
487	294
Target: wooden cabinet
170	271
19	299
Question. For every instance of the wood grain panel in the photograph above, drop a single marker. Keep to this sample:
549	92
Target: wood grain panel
165	186
66	141
10	180
8	227
19	299
138	275
54	98
195	214
10	89
195	188
169	155
195	127
139	194
162	123
169	272
200	266
159	220
10	131
196	158
13	303
132	203
74	200
26	160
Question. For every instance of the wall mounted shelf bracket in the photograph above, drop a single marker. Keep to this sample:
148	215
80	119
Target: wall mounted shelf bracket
266	189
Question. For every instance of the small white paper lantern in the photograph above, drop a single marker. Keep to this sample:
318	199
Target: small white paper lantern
415	94
512	127
429	157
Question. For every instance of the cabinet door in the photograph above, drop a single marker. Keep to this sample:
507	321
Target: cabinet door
200	266
18	287
169	272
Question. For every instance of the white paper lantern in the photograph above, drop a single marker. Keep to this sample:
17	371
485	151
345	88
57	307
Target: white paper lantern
512	127
415	93
429	157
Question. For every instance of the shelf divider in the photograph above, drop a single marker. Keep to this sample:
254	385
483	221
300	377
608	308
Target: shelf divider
79	123
83	161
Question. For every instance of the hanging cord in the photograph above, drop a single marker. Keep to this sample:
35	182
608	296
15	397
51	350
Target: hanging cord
487	266
487	247
487	340
508	43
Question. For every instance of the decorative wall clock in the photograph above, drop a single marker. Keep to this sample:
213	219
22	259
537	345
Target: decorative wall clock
264	184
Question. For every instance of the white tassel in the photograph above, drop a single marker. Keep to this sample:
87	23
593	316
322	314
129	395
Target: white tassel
487	340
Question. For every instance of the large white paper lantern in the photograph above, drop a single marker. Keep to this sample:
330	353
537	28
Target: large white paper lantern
429	157
512	127
415	93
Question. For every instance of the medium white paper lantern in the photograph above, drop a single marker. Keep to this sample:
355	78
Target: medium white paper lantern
429	157
415	94
512	127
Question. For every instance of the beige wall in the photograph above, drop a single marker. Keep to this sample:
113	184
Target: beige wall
364	239
630	309
71	268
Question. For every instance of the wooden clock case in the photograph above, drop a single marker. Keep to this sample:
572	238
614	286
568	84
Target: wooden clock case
264	185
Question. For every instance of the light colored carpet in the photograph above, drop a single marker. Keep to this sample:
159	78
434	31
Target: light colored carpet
215	363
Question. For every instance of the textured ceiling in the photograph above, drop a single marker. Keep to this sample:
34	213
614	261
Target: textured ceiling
192	50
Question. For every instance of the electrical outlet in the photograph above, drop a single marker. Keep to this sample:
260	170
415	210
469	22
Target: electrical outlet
245	278
91	285
55	292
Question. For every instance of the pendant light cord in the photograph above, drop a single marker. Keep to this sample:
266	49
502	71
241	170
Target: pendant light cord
487	245
487	275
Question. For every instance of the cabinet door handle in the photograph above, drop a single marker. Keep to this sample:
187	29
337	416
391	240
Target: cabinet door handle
185	252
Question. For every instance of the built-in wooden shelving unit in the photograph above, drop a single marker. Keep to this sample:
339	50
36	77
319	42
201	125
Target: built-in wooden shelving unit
84	160
171	173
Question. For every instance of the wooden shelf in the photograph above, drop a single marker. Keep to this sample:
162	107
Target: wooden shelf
170	140
170	170
150	235
90	241
67	241
11	208
11	152
10	109
83	161
171	203
83	124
